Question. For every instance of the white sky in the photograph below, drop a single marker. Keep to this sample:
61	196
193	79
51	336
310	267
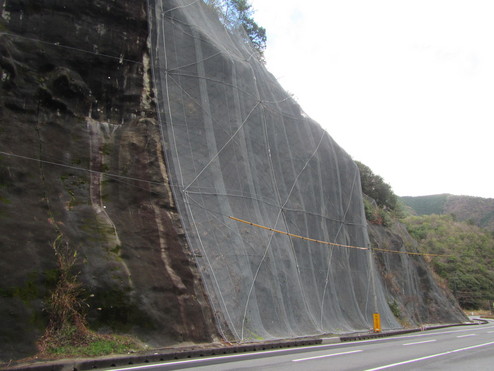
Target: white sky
404	86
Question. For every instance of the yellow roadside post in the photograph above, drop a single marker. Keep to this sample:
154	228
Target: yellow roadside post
377	322
376	316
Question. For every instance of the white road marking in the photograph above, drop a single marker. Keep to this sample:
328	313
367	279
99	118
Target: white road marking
326	355
421	342
465	336
196	360
288	349
429	357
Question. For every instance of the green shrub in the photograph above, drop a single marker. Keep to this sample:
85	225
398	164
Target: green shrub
466	256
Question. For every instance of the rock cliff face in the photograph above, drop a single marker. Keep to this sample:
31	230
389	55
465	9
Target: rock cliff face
412	291
89	106
240	148
81	156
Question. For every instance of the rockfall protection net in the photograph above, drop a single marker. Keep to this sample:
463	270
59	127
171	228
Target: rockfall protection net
238	145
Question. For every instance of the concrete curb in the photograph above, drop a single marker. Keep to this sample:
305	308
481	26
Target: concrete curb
377	335
160	355
358	337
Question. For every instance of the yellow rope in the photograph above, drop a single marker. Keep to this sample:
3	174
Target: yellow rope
328	243
295	235
408	253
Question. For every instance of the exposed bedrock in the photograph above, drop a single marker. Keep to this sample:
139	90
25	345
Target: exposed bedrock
415	294
134	148
82	157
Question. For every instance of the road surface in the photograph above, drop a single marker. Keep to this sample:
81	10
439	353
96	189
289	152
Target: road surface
456	348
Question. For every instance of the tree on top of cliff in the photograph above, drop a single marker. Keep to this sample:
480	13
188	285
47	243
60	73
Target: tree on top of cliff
374	186
239	14
243	12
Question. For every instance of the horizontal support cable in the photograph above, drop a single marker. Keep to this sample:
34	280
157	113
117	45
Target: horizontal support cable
296	235
329	243
58	45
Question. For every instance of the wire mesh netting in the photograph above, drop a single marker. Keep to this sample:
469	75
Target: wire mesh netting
238	145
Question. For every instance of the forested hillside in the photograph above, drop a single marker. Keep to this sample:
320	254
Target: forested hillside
462	252
465	256
476	210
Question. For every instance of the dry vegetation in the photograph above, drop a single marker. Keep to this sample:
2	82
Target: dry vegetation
67	333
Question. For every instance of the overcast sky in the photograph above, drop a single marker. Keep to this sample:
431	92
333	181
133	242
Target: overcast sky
406	87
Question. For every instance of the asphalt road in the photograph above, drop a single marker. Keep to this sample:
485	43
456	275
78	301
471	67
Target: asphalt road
456	348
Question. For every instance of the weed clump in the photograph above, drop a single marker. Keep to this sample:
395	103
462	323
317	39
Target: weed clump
67	333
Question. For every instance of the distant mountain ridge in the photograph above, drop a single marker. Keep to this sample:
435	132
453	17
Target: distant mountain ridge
478	210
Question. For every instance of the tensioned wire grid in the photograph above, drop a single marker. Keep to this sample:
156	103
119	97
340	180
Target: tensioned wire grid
237	145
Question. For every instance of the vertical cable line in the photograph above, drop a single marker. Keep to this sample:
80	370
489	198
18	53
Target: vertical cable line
167	93
336	237
280	213
204	251
238	145
323	135
223	147
370	263
278	199
160	30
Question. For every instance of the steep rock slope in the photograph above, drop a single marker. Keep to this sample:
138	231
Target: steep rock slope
239	146
412	290
81	156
